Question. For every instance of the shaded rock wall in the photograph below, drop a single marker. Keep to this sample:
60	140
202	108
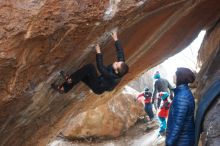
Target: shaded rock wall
211	128
209	56
40	37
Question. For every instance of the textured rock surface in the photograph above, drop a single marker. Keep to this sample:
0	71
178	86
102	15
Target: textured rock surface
40	37
209	73
211	127
209	58
135	136
110	119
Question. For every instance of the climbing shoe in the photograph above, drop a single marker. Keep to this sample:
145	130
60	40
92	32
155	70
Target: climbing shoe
57	88
62	74
53	86
66	77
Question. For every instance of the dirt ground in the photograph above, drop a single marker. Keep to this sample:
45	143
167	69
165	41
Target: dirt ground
135	136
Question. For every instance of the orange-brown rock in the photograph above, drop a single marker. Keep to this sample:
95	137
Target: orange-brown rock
40	37
110	119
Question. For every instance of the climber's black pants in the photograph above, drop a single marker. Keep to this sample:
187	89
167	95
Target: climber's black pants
89	76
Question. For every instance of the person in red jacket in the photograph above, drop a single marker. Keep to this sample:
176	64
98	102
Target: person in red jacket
147	103
163	112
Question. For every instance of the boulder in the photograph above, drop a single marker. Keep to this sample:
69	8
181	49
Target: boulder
38	38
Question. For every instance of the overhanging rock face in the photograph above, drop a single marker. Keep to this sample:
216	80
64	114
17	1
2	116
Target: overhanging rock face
40	37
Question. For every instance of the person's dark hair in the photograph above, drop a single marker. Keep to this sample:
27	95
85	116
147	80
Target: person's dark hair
184	76
123	69
147	94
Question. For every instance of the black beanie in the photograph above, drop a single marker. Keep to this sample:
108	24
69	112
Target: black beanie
184	76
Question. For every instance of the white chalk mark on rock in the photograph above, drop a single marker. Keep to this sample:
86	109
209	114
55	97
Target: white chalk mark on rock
111	10
141	3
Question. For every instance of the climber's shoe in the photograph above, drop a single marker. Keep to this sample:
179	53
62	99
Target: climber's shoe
53	86
66	77
62	74
57	88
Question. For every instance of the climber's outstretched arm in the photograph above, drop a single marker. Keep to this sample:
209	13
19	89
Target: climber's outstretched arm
119	49
99	61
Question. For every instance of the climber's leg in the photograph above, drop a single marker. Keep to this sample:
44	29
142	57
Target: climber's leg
88	75
93	81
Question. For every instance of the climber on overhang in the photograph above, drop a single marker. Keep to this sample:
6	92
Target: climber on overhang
110	75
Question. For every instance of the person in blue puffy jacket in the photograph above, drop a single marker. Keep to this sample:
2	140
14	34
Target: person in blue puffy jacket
180	125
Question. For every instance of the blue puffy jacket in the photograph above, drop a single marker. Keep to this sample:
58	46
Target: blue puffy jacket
180	125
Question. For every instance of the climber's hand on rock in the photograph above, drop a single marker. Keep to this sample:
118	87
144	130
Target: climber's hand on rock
114	35
97	48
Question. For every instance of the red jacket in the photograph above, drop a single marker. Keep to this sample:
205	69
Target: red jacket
146	100
140	95
164	109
